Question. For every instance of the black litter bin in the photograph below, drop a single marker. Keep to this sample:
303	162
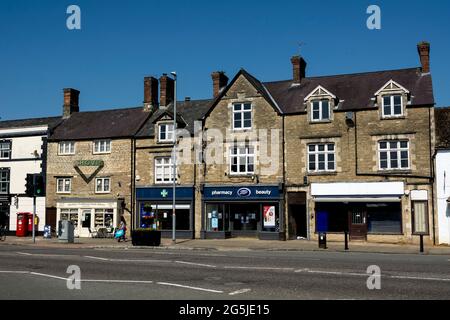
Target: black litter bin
323	240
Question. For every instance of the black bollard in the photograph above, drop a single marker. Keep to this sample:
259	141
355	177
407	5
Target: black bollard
421	243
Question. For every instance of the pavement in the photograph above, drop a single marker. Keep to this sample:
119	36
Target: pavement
234	244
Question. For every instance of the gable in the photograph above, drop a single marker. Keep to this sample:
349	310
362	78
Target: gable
320	92
392	86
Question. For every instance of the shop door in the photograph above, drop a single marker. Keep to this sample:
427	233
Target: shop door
358	224
86	220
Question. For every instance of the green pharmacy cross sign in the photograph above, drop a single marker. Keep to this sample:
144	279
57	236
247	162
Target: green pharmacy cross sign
164	193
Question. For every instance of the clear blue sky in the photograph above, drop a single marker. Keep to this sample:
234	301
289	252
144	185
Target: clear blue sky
123	41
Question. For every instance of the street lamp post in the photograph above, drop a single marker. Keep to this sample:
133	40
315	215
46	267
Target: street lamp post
174	159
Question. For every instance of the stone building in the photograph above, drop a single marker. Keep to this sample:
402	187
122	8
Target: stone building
91	164
354	154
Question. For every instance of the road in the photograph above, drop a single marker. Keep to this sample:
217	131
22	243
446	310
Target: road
41	273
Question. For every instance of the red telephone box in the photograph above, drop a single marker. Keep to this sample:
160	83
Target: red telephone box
22	225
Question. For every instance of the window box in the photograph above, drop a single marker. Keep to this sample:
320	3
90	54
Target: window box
146	237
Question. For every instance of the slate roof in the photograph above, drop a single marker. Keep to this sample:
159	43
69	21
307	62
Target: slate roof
188	112
442	120
353	90
104	124
51	122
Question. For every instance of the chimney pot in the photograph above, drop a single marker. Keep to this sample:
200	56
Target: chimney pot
424	53
299	69
220	81
71	102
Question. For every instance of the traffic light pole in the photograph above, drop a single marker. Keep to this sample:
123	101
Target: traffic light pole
34	219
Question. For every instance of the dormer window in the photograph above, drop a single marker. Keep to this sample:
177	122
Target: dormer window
392	97
166	132
320	110
392	106
319	104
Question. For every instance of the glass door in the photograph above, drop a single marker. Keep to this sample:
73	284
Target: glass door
86	223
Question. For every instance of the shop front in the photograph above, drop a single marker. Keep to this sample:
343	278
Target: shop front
243	211
362	209
155	210
90	217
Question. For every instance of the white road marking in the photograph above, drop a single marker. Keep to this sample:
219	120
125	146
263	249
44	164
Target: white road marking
419	278
17	272
96	258
239	292
258	268
24	253
120	281
196	264
188	287
48	276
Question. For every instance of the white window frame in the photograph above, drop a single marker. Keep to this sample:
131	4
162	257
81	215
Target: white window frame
98	144
66	148
248	154
398	150
64	184
7	150
242	111
6	182
102	185
325	152
103	213
320	119
170	133
392	105
164	170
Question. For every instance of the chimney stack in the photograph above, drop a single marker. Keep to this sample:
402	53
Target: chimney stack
150	94
424	53
299	69
220	81
167	90
71	102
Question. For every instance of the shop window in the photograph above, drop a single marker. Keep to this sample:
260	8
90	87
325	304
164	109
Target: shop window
215	217
270	218
384	218
420	217
104	218
70	215
154	215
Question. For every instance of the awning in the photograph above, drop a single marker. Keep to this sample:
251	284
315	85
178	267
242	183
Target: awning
357	199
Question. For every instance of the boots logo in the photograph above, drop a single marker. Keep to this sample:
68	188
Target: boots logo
244	192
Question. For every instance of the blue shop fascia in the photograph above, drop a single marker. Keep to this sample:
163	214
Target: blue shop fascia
242	211
154	210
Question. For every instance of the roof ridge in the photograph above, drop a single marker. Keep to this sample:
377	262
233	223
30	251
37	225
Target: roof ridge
347	74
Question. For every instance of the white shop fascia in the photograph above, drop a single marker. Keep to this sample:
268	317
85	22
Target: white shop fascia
358	192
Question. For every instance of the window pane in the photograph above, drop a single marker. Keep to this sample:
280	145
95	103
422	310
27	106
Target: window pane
331	147
383	164
312	147
404	144
247	123
393	145
247	106
321	157
387	101
397	100
321	165
237	107
397	110
383	145
325	110
316	115
405	163
321	147
106	185
387	110
383	155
